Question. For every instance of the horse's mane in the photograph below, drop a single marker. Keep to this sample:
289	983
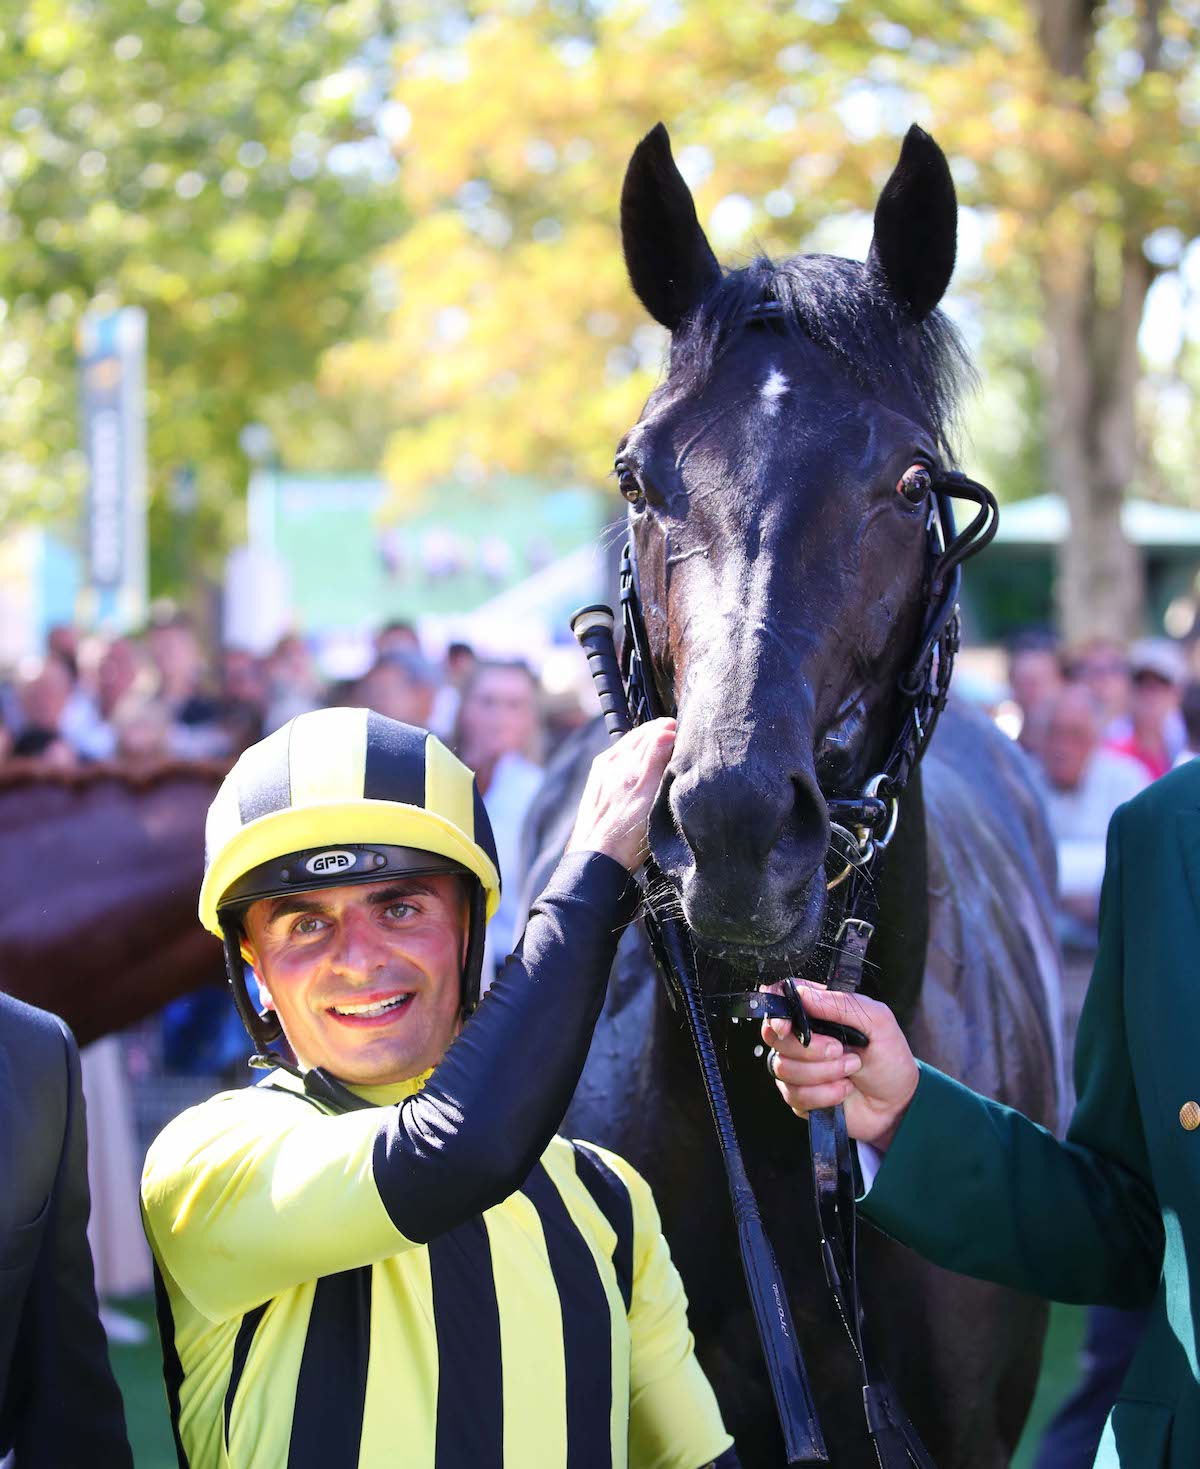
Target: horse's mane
845	308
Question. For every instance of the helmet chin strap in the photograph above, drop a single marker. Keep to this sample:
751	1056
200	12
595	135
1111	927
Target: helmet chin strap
472	979
264	1030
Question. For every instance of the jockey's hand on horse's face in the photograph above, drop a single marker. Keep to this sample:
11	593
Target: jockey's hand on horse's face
874	1085
621	786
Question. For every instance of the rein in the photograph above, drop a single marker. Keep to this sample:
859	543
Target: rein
862	824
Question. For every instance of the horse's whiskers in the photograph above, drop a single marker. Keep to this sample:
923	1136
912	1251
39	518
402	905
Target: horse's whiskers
833	949
611	534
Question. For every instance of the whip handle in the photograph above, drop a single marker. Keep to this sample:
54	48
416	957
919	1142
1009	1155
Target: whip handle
803	1443
786	1372
593	629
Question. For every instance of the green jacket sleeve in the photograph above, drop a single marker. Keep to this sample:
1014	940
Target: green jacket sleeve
976	1187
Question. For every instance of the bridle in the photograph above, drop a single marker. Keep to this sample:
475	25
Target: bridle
862	824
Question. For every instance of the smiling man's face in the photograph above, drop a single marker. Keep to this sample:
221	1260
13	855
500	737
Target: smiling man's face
365	978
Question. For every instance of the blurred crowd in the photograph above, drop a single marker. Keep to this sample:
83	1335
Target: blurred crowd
135	703
1099	722
138	701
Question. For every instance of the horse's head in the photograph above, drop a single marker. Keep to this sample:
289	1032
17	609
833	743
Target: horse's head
779	487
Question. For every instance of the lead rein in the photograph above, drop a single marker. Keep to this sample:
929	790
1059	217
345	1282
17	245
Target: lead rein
897	1443
865	823
804	1443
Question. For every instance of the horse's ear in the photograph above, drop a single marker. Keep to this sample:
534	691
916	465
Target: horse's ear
916	226
671	265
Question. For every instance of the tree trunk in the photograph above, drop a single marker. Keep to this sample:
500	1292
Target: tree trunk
1092	371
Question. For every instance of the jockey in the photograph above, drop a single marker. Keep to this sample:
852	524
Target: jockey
382	1252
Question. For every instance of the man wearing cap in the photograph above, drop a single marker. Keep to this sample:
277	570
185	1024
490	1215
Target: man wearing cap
1157	673
1111	1215
382	1253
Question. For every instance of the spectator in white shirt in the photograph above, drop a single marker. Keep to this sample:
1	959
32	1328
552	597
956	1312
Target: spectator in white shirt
499	735
1085	785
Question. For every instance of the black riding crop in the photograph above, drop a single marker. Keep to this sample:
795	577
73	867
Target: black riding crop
803	1441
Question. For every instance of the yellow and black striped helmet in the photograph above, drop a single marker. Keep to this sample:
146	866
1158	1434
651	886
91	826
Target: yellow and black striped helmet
342	796
340	778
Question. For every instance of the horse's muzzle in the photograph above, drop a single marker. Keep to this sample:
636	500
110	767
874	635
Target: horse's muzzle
744	846
763	923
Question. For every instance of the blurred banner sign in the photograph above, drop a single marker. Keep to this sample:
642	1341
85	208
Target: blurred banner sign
112	355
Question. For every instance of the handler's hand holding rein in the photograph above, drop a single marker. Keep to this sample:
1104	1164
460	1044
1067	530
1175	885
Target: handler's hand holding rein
621	789
874	1087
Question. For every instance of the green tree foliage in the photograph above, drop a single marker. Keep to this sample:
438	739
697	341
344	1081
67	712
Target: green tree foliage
218	162
516	343
225	163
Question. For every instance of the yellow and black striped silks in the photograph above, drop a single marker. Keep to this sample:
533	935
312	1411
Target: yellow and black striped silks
342	777
302	1330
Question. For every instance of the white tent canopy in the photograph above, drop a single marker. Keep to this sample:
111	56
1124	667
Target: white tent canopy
1043	521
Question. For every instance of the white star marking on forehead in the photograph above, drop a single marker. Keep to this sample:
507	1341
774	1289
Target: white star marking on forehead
772	390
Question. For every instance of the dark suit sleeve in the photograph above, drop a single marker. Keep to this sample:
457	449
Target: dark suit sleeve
74	1417
976	1187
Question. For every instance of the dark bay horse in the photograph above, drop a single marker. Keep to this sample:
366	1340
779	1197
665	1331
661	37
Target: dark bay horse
781	561
100	869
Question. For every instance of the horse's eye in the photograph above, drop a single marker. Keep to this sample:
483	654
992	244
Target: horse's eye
915	483
628	485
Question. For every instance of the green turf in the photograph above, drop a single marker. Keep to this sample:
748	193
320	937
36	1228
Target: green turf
1060	1371
139	1372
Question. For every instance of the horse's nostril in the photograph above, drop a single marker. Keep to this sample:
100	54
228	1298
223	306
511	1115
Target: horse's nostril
810	815
746	818
731	813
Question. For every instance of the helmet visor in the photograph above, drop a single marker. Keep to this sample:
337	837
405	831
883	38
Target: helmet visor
322	867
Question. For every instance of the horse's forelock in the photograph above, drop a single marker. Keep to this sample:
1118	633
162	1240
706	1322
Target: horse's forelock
844	309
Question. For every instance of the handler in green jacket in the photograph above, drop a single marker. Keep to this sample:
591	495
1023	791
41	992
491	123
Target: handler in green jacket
1111	1216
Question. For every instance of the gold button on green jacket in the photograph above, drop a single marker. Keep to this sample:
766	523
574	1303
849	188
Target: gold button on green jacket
1112	1215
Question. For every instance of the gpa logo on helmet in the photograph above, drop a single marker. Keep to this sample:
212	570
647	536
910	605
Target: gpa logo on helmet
326	862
